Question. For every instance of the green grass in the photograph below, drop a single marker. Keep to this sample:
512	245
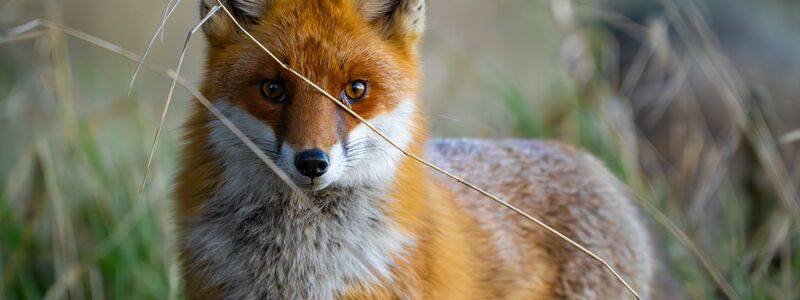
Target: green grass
65	191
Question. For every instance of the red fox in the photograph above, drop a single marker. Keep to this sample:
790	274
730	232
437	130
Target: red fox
378	224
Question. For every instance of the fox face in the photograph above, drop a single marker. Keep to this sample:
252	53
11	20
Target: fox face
364	52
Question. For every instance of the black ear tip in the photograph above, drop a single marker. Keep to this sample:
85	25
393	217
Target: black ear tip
244	10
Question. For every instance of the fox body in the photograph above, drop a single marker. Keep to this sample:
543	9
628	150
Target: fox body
374	223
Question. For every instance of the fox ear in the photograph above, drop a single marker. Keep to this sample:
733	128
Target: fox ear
220	28
397	19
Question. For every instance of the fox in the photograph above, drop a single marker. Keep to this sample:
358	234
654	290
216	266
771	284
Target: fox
374	223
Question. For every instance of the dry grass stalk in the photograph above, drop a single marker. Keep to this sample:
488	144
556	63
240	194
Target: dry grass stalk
271	164
64	246
791	137
436	168
23	37
30	162
749	131
69	277
731	85
171	90
654	40
160	31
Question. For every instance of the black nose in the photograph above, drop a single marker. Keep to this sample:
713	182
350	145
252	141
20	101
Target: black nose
312	163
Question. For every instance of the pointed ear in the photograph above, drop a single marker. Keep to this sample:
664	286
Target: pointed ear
401	20
220	28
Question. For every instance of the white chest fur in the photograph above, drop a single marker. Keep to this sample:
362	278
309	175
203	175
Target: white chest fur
261	245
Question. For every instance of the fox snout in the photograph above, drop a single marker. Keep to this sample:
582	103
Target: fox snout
318	158
311	163
313	167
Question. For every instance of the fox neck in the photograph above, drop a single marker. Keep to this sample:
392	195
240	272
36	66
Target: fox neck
258	241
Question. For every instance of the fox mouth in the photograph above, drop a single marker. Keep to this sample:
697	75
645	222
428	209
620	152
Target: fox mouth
313	185
310	185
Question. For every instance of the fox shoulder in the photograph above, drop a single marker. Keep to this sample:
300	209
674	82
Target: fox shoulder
565	188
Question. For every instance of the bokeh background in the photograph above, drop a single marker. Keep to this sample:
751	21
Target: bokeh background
695	104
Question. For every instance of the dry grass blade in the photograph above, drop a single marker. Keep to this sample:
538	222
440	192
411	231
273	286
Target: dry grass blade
167	13
12	262
730	83
170	74
64	250
24	28
22	37
693	29
687	242
64	282
438	169
767	152
169	96
105	246
791	137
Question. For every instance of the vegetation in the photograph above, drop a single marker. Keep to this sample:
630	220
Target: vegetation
712	157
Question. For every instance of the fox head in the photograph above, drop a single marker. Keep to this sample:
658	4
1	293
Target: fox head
364	52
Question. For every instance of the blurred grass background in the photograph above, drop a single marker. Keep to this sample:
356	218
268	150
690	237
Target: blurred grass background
696	104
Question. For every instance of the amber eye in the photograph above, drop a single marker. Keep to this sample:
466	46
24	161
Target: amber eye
355	90
273	91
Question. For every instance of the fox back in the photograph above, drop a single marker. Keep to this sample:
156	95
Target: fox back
373	223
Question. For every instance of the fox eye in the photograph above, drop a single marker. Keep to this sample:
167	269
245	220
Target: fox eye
273	91
355	90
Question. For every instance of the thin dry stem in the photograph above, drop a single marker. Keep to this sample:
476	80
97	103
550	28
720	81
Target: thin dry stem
438	169
728	81
64	252
64	245
767	152
70	277
167	13
791	137
23	37
169	96
35	219
29	26
680	235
